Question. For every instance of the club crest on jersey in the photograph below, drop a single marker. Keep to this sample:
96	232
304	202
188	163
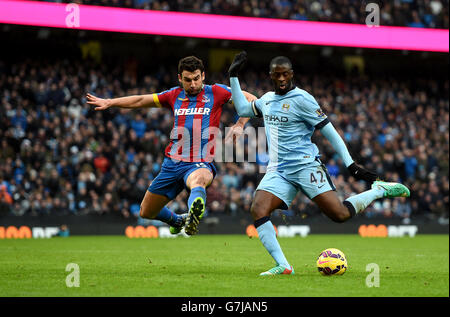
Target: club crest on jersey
192	111
320	113
205	99
285	107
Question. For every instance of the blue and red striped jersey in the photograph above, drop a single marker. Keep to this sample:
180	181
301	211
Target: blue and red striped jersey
196	124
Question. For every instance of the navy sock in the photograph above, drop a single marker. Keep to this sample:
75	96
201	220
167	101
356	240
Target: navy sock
196	192
169	217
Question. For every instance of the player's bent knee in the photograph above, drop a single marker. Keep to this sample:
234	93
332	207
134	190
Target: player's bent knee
341	216
199	178
200	181
144	213
258	211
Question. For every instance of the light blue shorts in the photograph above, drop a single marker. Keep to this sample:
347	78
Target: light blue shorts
312	180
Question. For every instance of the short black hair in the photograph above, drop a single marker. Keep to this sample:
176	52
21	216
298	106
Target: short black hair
191	64
280	60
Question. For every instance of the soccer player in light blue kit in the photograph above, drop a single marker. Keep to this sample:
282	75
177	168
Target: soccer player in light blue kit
290	116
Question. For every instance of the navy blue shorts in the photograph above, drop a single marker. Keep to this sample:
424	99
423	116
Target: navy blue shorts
171	180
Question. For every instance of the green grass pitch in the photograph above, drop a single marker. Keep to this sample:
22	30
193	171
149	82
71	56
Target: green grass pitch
221	266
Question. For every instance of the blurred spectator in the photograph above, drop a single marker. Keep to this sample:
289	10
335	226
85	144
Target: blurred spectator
333	168
410	162
101	163
230	179
6	200
215	198
138	125
402	208
63	231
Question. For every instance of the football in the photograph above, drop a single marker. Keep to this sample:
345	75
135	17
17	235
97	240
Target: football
332	262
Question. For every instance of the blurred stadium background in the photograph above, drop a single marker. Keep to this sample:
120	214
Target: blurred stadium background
63	163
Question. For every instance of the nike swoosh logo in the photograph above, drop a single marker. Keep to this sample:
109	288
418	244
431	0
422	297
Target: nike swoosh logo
322	262
321	186
185	99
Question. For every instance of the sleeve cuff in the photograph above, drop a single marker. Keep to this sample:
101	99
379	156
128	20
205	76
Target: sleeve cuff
156	100
255	110
323	123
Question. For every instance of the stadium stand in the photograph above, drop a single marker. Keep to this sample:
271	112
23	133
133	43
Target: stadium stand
58	156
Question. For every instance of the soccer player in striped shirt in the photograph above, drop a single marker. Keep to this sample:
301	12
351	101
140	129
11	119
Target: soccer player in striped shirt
188	157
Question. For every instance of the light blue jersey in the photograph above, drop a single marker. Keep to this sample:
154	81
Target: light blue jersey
290	121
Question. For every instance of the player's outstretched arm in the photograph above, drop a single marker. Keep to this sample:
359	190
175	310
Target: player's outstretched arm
137	101
241	103
243	107
339	146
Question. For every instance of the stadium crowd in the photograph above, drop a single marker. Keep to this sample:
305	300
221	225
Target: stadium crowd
413	13
59	156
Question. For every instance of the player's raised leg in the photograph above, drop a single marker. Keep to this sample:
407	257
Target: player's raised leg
153	206
197	181
263	205
339	211
330	204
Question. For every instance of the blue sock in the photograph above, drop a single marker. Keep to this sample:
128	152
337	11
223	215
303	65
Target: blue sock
268	237
196	192
169	217
364	199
